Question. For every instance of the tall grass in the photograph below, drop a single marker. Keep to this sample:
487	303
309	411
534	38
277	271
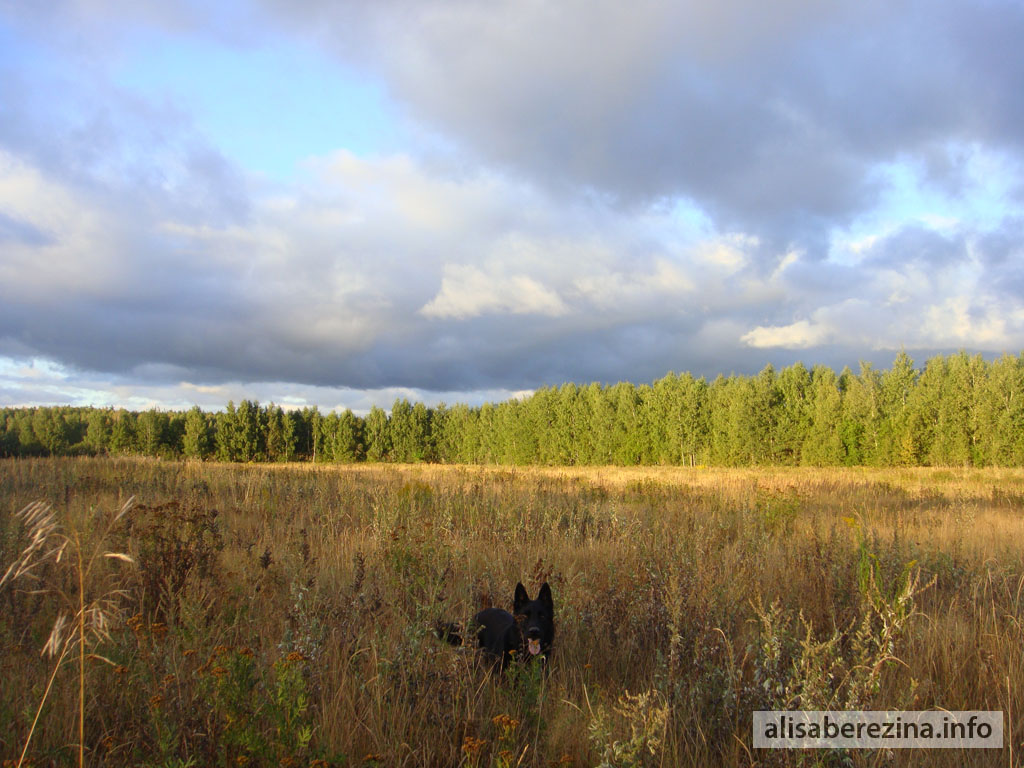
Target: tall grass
283	615
85	611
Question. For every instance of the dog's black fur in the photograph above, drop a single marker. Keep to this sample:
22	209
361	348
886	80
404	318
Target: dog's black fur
525	634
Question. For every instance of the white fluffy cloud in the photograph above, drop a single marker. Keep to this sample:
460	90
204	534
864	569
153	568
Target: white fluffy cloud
468	292
798	335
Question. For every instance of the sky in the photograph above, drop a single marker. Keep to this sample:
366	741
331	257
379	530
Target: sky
339	203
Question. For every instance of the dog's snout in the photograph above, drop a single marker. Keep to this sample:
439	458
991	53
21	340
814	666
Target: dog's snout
533	633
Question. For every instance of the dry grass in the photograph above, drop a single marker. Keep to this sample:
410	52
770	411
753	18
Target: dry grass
281	615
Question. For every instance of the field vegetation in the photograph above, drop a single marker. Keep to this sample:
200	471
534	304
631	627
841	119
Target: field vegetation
168	613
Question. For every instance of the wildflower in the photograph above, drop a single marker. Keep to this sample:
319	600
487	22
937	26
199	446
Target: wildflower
247	652
506	726
168	679
189	653
156	700
473	746
121	669
218	671
505	722
295	656
242	760
159	629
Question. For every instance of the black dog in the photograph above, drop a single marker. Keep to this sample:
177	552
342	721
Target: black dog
526	633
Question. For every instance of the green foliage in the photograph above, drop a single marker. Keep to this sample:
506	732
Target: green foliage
97	435
264	715
280	443
824	444
122	433
197	442
378	435
342	437
51	430
409	429
645	715
956	411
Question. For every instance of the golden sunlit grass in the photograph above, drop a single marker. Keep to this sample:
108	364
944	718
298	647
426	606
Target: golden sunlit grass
282	615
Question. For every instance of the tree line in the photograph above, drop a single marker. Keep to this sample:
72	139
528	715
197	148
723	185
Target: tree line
957	410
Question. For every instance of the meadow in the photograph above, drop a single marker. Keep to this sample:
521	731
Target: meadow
179	613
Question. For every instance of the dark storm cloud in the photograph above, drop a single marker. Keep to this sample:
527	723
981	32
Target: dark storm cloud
931	249
770	117
1005	246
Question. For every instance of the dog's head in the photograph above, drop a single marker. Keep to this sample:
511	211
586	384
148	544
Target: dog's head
536	619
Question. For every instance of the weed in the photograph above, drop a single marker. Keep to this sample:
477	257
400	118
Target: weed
171	542
88	605
645	715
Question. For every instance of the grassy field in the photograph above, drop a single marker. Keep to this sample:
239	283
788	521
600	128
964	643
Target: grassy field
282	615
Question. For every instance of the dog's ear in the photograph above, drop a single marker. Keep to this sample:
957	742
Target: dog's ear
545	597
521	598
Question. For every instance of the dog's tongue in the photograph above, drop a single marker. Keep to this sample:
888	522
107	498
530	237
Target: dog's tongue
533	646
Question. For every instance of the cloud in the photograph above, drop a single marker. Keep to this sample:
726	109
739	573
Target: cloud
915	288
329	280
42	383
589	192
798	335
377	273
65	118
773	120
468	292
14	230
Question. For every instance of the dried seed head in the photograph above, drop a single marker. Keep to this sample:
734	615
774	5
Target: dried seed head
55	643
